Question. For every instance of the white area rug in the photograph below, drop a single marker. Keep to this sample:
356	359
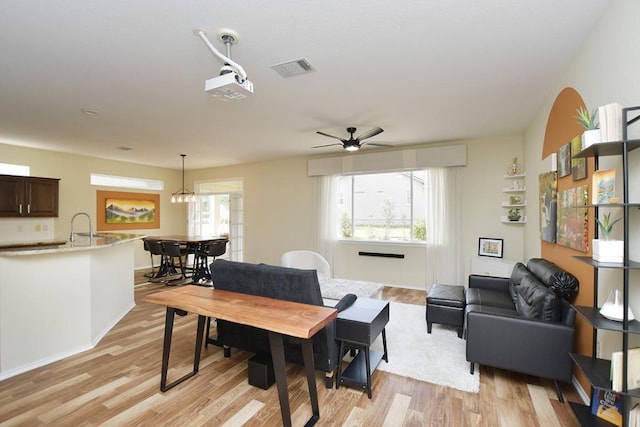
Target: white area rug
437	358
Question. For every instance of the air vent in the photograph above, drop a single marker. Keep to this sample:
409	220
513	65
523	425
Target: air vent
293	68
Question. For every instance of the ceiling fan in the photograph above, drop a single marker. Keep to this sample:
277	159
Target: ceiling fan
354	144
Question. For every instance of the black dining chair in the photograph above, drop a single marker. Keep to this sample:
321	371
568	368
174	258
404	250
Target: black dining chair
156	249
152	254
176	272
204	251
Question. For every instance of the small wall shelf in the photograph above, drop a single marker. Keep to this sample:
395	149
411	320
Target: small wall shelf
506	220
515	197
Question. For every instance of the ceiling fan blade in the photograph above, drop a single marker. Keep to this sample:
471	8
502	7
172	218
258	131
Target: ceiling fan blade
327	145
374	144
330	136
370	133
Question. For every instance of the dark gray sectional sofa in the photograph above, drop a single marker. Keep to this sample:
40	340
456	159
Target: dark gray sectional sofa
523	323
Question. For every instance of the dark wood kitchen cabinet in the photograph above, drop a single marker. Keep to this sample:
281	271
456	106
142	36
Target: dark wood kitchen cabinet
26	196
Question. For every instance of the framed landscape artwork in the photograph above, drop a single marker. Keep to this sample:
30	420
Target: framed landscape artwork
490	247
117	210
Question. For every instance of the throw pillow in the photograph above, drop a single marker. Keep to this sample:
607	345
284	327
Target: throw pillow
536	301
564	284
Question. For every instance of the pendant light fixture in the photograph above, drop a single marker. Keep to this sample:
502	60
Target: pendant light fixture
183	195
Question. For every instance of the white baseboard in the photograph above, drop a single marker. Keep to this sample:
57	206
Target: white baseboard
42	362
115	321
56	357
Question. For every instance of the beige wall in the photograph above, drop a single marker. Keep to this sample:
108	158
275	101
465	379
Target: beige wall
278	206
77	195
279	214
605	70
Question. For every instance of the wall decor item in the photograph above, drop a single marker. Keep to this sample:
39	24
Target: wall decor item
604	187
515	200
572	219
514	168
578	166
548	183
116	210
490	247
564	160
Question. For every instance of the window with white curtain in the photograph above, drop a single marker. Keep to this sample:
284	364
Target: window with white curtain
382	206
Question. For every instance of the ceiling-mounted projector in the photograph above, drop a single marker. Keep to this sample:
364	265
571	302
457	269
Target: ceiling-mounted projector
232	83
229	86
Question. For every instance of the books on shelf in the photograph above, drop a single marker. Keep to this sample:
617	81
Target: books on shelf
607	405
610	117
603	187
633	369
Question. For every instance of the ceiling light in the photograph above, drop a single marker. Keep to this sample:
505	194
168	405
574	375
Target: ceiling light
183	195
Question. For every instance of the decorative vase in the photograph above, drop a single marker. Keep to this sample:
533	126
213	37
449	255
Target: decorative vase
514	168
613	309
608	250
590	137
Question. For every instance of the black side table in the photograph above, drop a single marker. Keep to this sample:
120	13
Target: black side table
357	328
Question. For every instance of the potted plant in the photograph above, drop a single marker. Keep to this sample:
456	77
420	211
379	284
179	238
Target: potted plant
514	214
605	249
588	121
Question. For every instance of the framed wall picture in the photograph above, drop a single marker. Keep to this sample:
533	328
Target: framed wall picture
490	247
564	160
548	183
578	166
117	210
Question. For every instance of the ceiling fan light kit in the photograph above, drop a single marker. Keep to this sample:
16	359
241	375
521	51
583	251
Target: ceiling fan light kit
232	82
354	144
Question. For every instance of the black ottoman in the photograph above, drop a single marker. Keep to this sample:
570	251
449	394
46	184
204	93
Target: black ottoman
445	305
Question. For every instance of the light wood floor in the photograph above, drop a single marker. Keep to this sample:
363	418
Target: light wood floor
117	383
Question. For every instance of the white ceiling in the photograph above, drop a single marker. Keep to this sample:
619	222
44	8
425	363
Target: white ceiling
423	70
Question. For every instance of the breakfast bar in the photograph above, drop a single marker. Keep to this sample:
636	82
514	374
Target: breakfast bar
60	299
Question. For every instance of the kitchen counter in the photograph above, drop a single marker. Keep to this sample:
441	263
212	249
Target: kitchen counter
58	300
81	243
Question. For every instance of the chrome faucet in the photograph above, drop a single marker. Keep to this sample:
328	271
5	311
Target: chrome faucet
72	237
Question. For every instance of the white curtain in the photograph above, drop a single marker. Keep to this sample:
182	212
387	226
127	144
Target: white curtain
444	263
326	217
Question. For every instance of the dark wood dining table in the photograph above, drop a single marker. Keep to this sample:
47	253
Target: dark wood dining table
279	318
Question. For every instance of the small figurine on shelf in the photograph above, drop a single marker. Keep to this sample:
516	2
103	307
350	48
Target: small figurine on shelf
514	168
514	214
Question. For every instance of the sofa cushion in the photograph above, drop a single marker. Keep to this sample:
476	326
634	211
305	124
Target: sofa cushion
488	298
519	271
563	283
290	284
536	301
